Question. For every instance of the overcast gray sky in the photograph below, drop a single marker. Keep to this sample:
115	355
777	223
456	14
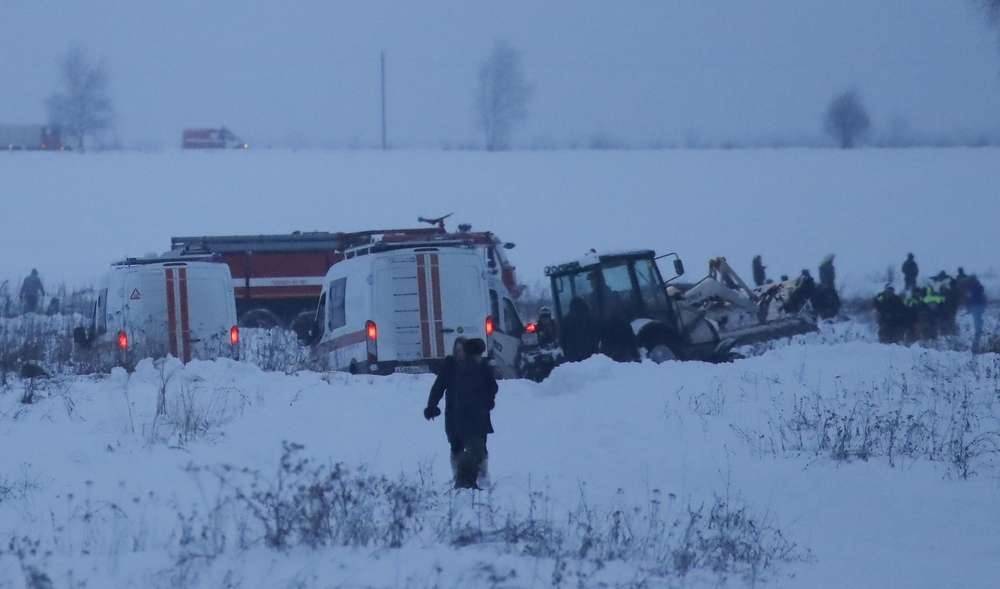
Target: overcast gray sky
306	71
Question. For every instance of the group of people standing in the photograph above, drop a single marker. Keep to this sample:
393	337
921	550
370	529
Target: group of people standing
928	310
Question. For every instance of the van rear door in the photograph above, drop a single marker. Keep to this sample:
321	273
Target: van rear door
433	297
205	310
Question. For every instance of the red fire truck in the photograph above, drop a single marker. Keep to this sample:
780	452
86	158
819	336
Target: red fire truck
277	279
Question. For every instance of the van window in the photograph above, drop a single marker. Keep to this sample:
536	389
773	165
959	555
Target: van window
338	305
512	325
101	311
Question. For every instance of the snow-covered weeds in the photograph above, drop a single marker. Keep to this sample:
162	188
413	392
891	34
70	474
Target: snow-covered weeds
662	537
942	412
304	503
307	505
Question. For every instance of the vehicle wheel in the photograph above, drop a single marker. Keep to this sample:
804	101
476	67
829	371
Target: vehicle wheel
260	319
661	353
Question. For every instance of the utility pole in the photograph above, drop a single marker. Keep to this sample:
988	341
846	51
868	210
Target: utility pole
385	142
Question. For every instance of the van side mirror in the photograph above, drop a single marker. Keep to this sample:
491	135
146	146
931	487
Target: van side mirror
678	267
81	337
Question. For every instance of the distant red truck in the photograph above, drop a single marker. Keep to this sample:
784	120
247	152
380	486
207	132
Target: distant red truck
221	138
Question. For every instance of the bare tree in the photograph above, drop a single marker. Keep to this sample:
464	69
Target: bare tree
81	107
502	95
847	119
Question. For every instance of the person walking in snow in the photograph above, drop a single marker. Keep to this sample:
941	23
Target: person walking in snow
32	292
910	272
469	388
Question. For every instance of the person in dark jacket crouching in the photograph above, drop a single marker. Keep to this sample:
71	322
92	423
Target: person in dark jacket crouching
469	387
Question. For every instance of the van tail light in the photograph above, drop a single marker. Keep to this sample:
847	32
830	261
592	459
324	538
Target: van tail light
490	326
122	340
531	328
371	336
234	335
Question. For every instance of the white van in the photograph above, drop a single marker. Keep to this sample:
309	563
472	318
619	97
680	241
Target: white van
157	307
400	310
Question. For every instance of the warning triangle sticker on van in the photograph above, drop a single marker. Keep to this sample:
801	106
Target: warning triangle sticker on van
136	295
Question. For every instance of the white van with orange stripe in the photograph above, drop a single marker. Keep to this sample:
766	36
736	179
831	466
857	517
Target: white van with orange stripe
157	307
400	310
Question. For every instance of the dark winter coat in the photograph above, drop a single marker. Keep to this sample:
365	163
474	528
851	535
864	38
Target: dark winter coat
827	274
975	294
469	390
891	308
32	287
910	270
580	332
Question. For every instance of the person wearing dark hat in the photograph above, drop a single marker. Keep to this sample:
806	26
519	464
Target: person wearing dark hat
910	272
469	387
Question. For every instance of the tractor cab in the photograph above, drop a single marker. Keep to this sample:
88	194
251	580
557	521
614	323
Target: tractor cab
604	291
618	284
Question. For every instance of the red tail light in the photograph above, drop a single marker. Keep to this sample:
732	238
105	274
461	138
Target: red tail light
234	335
490	327
371	334
531	328
122	340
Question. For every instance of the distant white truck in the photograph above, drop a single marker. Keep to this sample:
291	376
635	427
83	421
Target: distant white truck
30	137
152	308
400	309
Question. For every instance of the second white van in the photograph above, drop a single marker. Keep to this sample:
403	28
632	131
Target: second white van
160	307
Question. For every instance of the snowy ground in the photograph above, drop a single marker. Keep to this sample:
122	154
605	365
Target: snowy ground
70	214
877	465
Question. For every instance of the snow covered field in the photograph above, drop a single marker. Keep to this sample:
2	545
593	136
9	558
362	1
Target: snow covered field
70	214
824	461
857	465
